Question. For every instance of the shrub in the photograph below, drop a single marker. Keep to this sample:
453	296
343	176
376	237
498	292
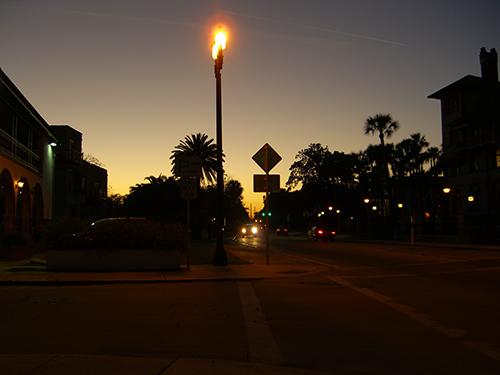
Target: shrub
10	239
129	234
55	231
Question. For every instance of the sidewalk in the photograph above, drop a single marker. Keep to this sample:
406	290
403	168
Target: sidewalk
46	364
33	272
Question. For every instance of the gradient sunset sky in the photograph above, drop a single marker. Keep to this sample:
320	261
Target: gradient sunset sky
137	76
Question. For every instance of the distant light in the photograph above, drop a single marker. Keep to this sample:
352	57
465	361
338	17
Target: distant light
374	208
446	190
330	208
338	211
470	198
53	144
400	205
366	200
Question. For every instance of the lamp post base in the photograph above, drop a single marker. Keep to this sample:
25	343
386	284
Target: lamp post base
220	257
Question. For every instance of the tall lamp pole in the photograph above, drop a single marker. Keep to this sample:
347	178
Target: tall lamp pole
220	257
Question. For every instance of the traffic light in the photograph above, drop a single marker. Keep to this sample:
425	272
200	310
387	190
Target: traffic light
264	214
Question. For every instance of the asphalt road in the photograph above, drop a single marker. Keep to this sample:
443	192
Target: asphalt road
382	309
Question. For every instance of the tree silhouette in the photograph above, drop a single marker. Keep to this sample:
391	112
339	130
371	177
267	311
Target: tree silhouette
384	125
199	145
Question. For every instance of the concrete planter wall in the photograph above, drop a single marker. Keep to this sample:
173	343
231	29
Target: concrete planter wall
116	260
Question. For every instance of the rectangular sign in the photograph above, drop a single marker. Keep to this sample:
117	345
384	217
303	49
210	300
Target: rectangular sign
189	187
188	166
259	183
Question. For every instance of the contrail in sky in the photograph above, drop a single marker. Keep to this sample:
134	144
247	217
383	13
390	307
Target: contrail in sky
316	28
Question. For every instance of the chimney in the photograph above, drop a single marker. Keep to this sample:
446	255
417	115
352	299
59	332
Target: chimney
489	64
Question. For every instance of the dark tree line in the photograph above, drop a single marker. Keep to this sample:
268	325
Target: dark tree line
159	197
388	182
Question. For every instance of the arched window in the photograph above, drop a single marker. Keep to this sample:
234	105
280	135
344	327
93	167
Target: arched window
7	202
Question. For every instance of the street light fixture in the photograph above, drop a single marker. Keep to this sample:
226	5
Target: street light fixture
220	257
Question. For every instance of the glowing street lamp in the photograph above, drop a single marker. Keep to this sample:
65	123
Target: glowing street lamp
220	257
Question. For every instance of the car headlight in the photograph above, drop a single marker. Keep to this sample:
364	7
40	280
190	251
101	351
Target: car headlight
254	230
243	230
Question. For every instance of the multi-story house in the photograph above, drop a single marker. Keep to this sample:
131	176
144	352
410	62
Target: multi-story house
42	172
470	123
80	186
26	162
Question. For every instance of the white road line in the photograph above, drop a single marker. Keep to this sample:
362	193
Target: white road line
482	347
261	343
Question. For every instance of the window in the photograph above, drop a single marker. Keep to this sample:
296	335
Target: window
6	115
451	105
474	163
497	158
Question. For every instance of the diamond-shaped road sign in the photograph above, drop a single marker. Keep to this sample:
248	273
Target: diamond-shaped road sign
267	158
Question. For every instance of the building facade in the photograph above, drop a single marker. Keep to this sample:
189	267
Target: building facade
42	171
27	162
470	123
80	186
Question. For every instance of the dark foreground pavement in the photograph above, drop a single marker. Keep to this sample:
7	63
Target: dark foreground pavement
253	267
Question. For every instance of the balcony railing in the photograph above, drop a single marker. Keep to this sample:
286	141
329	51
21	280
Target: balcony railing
17	151
72	156
478	140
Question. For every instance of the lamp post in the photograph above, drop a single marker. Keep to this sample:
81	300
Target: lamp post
220	257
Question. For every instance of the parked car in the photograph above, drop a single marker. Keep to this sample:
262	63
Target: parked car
320	232
282	230
250	230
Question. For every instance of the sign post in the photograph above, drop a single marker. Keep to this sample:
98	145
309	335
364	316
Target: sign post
267	158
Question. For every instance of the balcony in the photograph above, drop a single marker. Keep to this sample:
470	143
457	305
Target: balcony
23	155
477	140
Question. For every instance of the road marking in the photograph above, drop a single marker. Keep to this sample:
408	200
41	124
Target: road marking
261	344
482	347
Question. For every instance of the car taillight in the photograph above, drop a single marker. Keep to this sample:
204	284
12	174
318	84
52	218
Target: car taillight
320	232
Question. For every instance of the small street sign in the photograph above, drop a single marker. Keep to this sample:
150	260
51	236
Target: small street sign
259	183
188	166
189	187
266	158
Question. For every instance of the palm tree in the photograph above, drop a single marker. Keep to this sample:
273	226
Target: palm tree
199	145
383	124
